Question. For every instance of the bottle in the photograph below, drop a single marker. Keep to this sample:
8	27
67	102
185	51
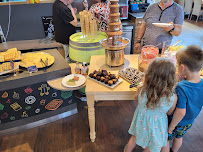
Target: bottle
84	69
77	68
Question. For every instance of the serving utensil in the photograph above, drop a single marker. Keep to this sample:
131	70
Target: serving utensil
44	69
176	43
173	45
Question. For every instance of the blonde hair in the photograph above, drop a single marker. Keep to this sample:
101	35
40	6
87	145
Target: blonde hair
159	81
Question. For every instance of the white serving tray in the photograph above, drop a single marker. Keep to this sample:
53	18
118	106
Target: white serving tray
112	86
162	24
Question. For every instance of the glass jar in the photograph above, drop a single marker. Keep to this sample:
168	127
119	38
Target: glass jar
148	54
84	68
77	68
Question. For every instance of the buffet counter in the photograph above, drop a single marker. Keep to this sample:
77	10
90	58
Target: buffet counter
36	44
28	101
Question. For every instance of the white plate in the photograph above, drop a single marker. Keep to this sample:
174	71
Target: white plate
162	24
80	82
112	86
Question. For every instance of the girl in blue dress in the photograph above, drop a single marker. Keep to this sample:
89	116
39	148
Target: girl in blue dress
156	99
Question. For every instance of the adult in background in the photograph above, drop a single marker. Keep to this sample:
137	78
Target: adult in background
165	11
65	21
100	12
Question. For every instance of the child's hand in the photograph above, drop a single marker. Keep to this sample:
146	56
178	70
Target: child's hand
170	129
138	91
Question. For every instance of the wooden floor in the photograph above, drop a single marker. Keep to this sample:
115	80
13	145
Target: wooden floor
113	119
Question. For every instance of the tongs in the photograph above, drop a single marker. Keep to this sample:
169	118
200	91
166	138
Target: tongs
134	85
174	45
45	64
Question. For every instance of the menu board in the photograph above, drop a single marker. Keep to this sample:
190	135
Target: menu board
28	101
48	25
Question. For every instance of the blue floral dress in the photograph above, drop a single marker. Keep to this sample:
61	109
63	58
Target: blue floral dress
150	126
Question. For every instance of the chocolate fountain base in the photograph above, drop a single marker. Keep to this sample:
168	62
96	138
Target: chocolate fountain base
119	43
114	58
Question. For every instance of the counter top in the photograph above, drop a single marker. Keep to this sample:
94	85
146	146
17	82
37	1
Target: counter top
60	68
127	23
137	15
28	44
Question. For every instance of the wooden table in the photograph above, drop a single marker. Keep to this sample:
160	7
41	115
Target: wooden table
95	91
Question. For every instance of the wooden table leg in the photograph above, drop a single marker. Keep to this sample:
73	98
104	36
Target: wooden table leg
91	116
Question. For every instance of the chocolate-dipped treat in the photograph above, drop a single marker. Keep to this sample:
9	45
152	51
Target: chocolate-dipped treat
109	73
107	77
95	72
106	81
94	76
104	73
91	75
110	82
102	79
112	76
99	73
98	78
114	81
100	70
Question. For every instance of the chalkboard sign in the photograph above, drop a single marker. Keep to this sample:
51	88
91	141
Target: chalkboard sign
25	102
48	25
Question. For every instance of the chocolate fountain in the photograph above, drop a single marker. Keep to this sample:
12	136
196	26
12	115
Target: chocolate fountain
114	44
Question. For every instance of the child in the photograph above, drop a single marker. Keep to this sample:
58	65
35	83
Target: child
149	127
190	95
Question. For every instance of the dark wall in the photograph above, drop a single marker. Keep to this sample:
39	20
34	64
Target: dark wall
26	23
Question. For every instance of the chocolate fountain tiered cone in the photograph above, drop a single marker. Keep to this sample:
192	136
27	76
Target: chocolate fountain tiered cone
115	43
114	40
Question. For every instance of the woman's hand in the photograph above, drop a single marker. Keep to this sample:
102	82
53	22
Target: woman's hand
75	10
168	28
137	48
